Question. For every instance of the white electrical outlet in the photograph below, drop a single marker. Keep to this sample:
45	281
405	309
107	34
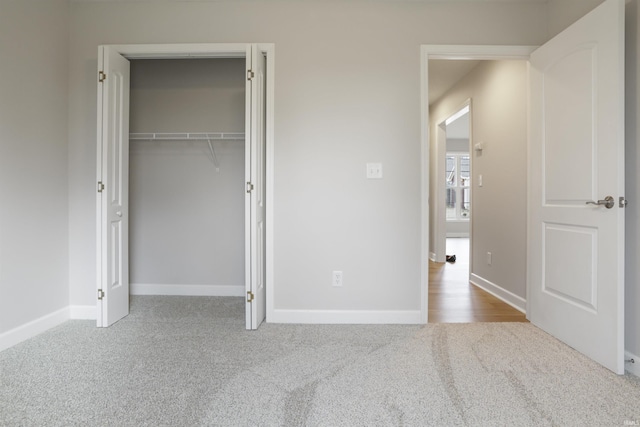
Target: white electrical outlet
488	258
336	278
374	170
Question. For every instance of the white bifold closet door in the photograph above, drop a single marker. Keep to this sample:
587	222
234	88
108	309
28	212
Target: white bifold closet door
113	184
255	199
113	187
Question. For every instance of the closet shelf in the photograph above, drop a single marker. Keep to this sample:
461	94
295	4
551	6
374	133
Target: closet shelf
186	136
191	136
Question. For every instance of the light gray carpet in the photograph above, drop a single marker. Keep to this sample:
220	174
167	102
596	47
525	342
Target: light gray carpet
187	361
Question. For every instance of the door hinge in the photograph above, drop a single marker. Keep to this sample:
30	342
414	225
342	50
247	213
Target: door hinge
100	294
623	202
101	76
249	187
100	186
250	75
249	296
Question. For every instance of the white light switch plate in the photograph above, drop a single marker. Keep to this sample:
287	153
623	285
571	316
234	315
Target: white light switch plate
374	170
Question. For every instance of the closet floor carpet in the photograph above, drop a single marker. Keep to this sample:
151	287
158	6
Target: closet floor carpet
187	361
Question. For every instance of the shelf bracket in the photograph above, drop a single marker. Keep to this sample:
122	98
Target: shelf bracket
214	158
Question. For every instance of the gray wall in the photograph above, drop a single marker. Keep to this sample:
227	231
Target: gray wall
347	92
33	160
498	222
186	218
562	13
457	145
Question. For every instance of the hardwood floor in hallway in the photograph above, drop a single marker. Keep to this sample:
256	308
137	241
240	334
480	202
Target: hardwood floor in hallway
452	299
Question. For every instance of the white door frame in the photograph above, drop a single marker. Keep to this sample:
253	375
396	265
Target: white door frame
227	50
427	52
440	221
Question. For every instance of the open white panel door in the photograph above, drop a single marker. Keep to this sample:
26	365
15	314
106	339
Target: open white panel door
255	198
576	238
113	187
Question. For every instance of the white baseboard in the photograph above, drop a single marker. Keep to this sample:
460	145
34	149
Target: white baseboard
345	317
510	298
633	368
83	312
187	290
432	256
33	328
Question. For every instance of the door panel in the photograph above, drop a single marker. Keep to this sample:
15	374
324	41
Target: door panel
113	173
579	246
563	90
255	200
576	250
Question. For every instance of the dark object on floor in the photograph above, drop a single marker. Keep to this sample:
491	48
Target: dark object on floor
451	258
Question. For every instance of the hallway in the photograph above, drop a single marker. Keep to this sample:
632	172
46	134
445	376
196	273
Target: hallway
452	299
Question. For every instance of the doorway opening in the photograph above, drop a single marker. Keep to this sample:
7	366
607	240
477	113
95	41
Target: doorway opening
464	285
454	140
186	177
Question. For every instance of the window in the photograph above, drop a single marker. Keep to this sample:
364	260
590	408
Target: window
458	191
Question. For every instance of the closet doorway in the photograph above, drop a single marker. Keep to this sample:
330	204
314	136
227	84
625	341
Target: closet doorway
245	145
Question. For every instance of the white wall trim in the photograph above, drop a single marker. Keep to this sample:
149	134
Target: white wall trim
270	50
83	312
346	317
424	185
432	256
633	368
181	50
35	327
480	52
187	290
502	294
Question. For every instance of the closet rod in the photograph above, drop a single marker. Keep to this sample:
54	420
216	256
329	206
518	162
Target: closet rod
186	136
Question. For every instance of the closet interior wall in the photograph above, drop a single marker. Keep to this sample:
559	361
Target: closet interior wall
186	210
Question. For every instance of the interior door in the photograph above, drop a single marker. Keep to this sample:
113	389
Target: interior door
255	197
112	187
576	247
